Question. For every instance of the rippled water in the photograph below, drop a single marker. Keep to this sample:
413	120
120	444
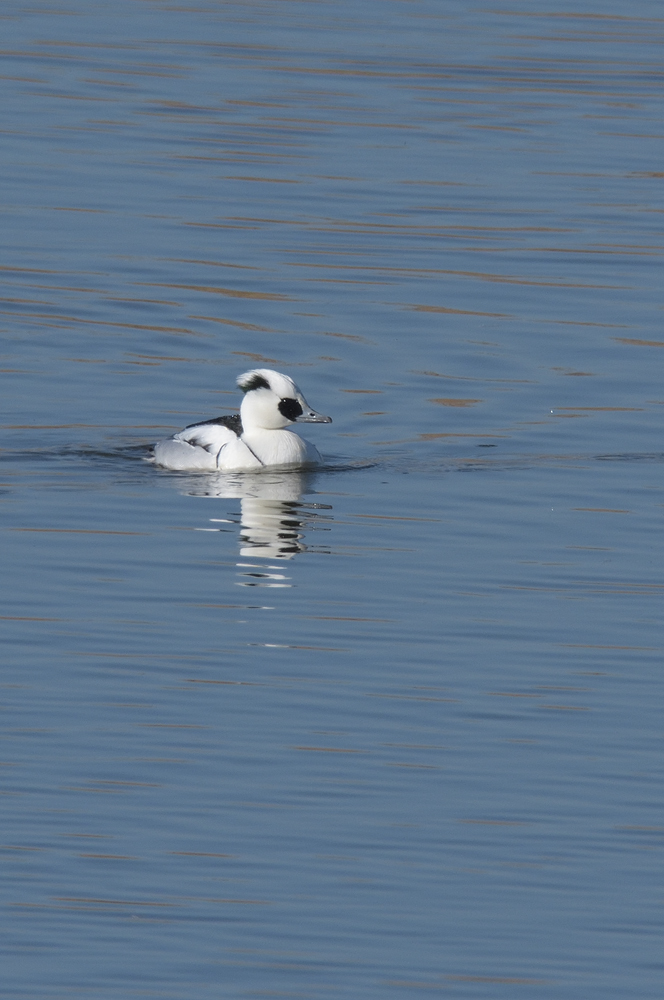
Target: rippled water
391	726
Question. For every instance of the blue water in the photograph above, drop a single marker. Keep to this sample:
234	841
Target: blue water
388	727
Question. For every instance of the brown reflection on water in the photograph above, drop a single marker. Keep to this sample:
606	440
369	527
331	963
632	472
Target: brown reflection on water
455	402
477	275
224	321
458	312
234	293
639	343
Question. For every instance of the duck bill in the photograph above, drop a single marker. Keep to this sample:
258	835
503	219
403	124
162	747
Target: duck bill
311	417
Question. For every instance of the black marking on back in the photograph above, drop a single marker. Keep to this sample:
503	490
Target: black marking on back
233	421
290	409
255	382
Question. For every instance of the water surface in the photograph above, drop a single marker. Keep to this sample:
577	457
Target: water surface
390	726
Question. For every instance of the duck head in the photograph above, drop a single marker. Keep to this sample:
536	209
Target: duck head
273	401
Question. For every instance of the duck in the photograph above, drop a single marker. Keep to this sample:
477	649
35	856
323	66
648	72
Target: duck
256	437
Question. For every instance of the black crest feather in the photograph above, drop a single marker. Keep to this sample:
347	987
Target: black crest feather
254	382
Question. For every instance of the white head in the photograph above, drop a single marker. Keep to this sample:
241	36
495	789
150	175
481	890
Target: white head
272	401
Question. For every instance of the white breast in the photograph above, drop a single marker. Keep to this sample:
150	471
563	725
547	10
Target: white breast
279	447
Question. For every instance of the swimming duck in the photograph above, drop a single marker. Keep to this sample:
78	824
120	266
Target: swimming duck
254	438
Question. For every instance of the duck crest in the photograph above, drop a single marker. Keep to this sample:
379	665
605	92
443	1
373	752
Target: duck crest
252	380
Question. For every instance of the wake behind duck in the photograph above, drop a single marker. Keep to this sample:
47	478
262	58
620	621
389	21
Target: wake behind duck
255	438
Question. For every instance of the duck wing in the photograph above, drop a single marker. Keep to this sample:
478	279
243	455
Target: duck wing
212	435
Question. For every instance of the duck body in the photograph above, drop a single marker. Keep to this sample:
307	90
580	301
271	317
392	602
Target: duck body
255	438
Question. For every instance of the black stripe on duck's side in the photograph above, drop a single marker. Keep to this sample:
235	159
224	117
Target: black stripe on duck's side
233	421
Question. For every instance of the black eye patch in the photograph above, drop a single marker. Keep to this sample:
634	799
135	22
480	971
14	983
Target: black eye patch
290	409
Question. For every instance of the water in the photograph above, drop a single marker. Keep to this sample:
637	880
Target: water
391	726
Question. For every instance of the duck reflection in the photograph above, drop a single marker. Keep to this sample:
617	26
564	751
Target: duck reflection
274	517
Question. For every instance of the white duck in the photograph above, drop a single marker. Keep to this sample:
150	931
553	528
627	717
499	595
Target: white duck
255	438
